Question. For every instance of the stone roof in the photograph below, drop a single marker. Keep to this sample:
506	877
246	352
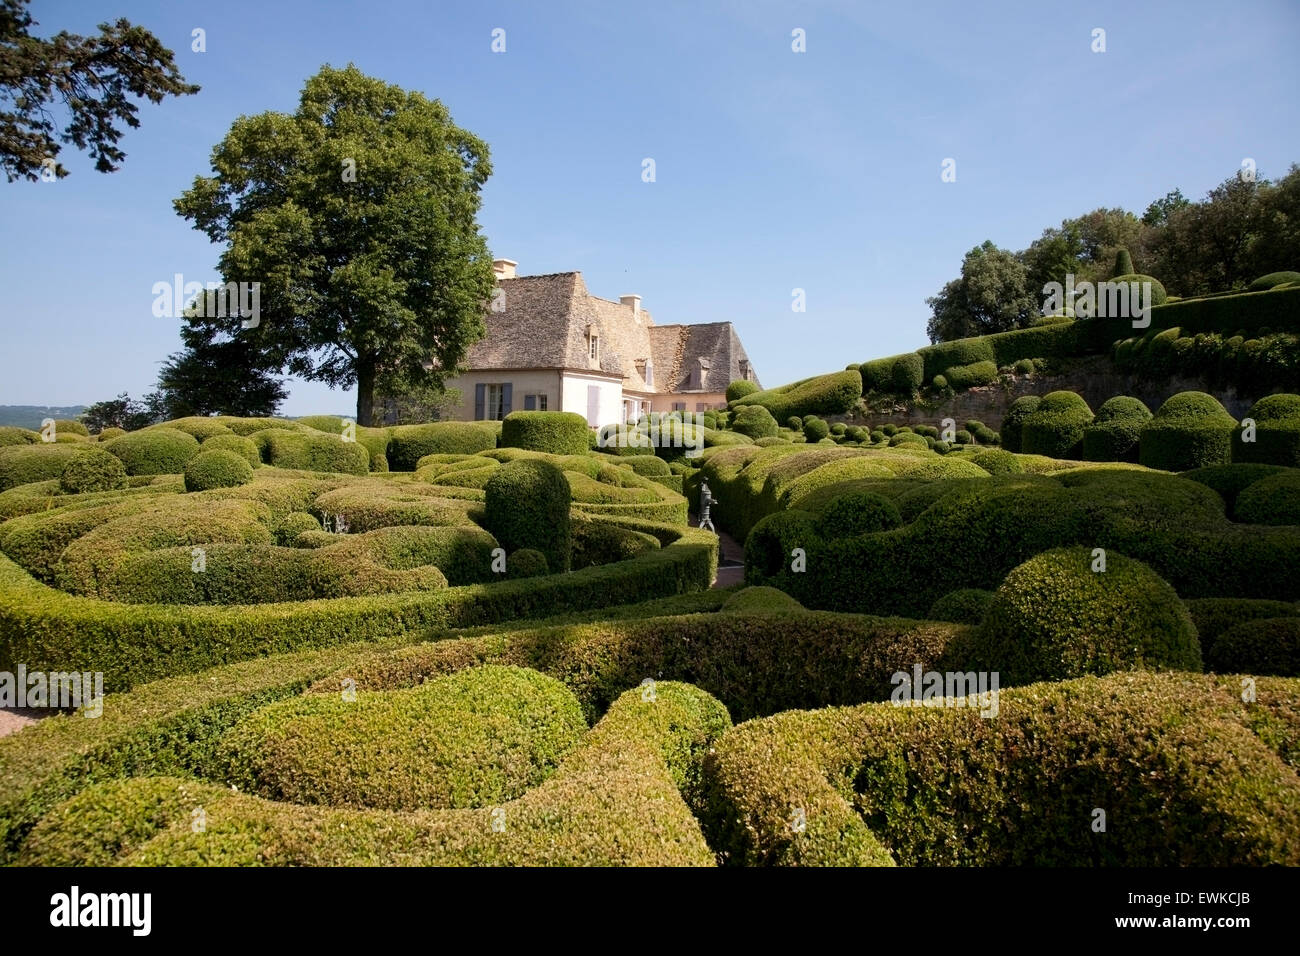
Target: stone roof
545	324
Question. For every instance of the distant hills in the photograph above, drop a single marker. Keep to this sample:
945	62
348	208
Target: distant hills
31	416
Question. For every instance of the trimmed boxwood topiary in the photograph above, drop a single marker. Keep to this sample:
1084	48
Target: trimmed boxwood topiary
963	606
963	437
407	444
1013	421
1055	427
526	563
1269	646
1273	279
855	513
968	376
71	426
96	470
557	433
22	464
997	461
480	736
199	426
815	429
1024	366
245	448
1113	434
1055	618
1273	500
761	599
216	469
154	451
910	439
1276	434
310	450
831	394
740	388
12	435
294	524
1191	430
754	421
1158	295
937	359
527	503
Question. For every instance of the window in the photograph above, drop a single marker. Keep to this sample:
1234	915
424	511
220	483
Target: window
496	401
595	348
535	403
679	406
701	406
649	374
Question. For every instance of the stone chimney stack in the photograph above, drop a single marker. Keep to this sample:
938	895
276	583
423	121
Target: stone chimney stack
504	268
633	300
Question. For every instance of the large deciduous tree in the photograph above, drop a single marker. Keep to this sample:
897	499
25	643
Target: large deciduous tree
357	214
93	78
992	295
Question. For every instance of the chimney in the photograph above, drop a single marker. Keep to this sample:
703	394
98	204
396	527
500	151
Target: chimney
504	268
633	300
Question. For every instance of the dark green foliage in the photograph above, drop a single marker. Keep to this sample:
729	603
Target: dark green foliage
1123	263
21	464
409	443
528	507
963	437
1056	425
216	469
794	423
997	461
526	563
1191	430
761	599
1231	480
1013	421
1113	434
968	376
896	375
938	359
908	438
602	542
96	470
1276	433
815	429
1215	616
839	428
855	513
740	388
1273	279
154	451
1274	500
1024	366
831	394
10	435
556	433
1055	618
312	451
1269	646
754	421
940	382
963	606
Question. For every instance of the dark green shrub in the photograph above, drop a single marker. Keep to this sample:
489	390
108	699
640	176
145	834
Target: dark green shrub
22	464
241	446
1123	264
1054	618
941	447
603	542
1277	432
761	599
1158	295
877	436
526	563
1013	421
839	428
831	394
1024	366
963	606
986	436
908	438
294	524
1055	427
997	461
1269	646
855	513
968	376
96	470
1231	480
199	426
754	421
963	437
1113	434
105	433
937	359
940	382
311	450
906	373
474	738
407	444
527	505
740	388
557	433
890	430
1214	617
154	451
1273	500
216	469
1191	430
71	426
815	430
1272	280
794	423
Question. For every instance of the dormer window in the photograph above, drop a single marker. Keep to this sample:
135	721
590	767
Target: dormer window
649	373
594	347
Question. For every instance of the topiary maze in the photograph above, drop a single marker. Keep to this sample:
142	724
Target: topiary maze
477	643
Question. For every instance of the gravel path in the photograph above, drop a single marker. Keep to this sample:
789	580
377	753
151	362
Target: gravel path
14	719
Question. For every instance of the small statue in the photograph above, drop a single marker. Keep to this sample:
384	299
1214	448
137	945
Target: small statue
706	499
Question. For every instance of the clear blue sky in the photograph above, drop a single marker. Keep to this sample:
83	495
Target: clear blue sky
775	170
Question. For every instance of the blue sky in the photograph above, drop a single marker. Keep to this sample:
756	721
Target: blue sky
775	170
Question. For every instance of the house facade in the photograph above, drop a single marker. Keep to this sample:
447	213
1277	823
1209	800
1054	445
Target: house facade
553	346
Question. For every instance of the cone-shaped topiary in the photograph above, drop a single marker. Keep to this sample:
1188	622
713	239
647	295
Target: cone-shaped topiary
1123	263
1191	430
1113	434
1055	427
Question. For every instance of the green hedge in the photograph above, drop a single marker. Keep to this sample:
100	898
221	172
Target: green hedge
96	470
963	606
199	426
154	451
1274	500
1113	434
245	448
409	443
1277	432
556	433
528	507
740	388
1215	616
754	421
1056	426
311	451
216	469
1013	422
11	435
969	376
1268	646
831	394
897	374
22	464
1191	430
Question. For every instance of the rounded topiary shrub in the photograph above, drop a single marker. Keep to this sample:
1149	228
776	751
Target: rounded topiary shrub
527	504
245	448
1270	646
407	444
1014	420
839	428
1055	427
557	433
940	382
761	598
1024	367
755	421
12	435
794	423
910	439
294	524
216	469
154	451
855	513
1158	295
963	606
1274	500
1191	430
1113	434
963	437
816	429
21	464
1054	618
199	426
96	470
1276	438
740	388
526	563
71	426
1273	279
997	461
107	434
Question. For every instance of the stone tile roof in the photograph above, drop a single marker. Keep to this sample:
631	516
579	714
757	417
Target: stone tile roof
545	324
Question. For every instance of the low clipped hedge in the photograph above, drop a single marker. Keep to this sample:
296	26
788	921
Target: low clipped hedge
963	606
1272	280
407	444
312	451
72	426
1113	435
938	359
556	433
831	394
23	464
1213	617
1269	646
1276	435
154	451
897	374
96	470
1178	763
474	738
1274	500
1191	430
997	461
12	435
1231	480
1056	426
528	507
1054	618
969	376
216	469
1013	422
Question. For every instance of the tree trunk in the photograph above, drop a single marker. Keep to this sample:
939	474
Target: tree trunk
365	390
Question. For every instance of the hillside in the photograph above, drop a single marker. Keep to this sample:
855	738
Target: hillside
31	416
